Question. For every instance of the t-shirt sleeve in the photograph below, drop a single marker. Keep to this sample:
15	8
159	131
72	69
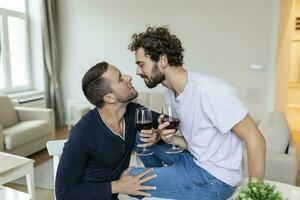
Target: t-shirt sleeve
221	105
72	164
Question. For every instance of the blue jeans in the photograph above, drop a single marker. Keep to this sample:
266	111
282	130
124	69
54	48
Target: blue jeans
181	178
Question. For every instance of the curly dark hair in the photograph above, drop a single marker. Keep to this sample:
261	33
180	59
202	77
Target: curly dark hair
94	85
157	41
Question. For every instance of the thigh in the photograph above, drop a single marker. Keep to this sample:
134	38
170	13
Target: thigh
160	157
171	182
186	180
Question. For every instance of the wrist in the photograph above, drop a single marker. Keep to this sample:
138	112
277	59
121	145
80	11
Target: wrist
115	187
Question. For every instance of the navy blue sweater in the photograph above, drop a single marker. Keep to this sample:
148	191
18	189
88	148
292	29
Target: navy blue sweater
94	156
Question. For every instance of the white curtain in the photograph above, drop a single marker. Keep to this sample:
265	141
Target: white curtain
53	93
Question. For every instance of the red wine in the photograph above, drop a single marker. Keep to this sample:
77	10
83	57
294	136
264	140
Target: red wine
174	122
143	126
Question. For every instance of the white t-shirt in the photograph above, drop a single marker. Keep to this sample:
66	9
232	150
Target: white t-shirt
208	109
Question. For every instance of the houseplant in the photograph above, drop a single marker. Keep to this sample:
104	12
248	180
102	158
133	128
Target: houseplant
258	190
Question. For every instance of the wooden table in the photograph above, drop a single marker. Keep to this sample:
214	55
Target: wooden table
7	193
13	167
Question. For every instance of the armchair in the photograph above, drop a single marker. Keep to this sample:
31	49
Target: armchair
24	130
281	159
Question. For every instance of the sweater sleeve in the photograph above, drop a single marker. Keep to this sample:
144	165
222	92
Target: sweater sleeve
72	164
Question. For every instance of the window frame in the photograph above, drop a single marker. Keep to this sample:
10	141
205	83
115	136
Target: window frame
4	42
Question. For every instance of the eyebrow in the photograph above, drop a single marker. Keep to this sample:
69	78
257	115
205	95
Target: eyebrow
120	75
139	62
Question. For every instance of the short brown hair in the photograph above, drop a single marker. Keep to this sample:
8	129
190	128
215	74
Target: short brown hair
94	86
157	41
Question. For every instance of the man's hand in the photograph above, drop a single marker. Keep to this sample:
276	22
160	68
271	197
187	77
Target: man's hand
133	185
167	134
148	137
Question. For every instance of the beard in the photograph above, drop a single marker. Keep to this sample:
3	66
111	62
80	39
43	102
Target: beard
156	77
132	95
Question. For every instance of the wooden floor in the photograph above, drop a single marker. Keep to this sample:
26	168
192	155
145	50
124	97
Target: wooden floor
40	157
62	133
296	139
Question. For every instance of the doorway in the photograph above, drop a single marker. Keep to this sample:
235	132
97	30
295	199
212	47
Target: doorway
293	101
287	97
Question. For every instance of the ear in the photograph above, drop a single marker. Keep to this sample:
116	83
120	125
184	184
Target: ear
163	61
109	98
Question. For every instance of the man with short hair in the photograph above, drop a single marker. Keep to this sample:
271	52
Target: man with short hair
95	159
213	123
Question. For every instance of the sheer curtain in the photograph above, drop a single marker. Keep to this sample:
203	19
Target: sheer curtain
53	93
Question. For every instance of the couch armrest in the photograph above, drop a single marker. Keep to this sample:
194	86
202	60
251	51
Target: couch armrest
1	138
28	113
279	167
79	112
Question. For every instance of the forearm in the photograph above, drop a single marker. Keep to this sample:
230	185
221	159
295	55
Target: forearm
256	153
180	142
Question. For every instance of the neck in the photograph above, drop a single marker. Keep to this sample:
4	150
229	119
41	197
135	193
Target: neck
113	115
175	79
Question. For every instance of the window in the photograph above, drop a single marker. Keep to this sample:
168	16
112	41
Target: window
14	46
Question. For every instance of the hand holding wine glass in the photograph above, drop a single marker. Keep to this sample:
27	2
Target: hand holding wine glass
170	116
143	121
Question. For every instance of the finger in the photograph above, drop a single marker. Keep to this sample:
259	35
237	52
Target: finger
148	178
127	171
160	119
146	135
148	187
143	194
167	132
144	173
150	131
147	140
166	137
163	125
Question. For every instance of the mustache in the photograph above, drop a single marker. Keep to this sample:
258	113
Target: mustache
142	76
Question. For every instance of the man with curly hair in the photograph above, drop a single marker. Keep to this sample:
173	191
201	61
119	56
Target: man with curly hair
214	124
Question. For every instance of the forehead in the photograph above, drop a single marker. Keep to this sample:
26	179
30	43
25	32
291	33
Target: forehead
140	55
111	73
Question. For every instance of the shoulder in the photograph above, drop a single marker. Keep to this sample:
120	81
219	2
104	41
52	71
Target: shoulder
215	86
83	127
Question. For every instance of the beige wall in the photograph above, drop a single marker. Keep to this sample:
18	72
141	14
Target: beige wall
221	38
284	54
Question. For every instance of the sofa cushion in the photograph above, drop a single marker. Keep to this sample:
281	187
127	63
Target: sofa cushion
156	101
8	115
142	98
25	132
275	129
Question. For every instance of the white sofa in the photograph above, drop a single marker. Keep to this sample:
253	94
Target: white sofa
24	130
281	160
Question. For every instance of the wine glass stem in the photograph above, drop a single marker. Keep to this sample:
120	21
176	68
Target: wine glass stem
173	145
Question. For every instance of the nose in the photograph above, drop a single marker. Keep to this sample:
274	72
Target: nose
128	78
138	71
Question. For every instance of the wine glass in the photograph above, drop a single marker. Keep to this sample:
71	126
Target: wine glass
171	117
143	121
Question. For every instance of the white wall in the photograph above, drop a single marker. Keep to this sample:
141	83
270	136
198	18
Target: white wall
220	37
